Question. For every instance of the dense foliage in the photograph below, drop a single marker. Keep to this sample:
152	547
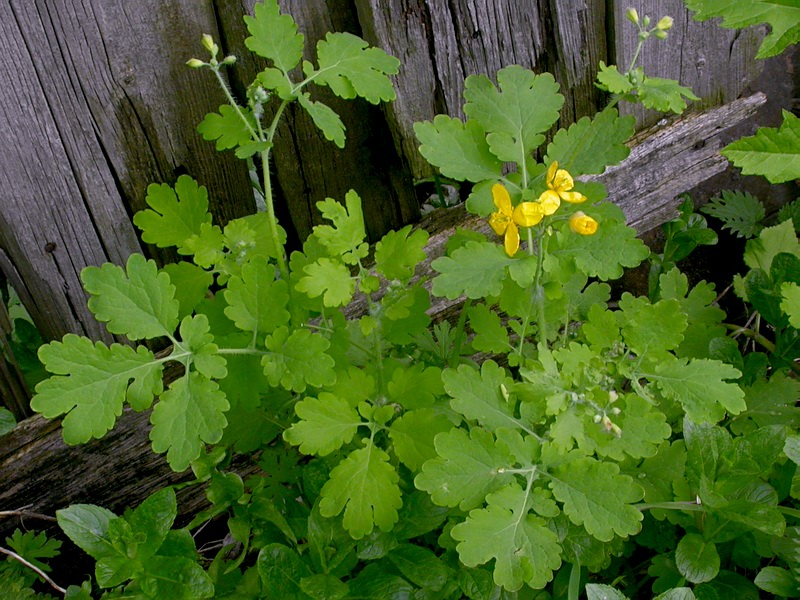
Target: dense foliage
554	439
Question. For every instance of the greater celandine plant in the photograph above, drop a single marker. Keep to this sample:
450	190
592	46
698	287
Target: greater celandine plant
600	442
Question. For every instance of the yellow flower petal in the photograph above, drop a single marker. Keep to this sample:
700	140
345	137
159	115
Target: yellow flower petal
511	243
562	182
551	173
502	199
573	197
582	223
528	214
499	222
549	202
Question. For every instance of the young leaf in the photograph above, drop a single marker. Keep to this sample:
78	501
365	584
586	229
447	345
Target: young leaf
346	237
175	577
773	153
651	327
139	304
151	521
479	395
297	360
87	526
490	333
460	150
326	423
525	549
256	302
399	252
526	106
274	36
741	212
782	17
590	145
227	127
324	117
664	94
477	270
281	570
611	80
330	279
696	558
351	68
201	351
467	469
91	382
413	434
188	415
174	215
759	252
700	386
191	285
364	485
596	496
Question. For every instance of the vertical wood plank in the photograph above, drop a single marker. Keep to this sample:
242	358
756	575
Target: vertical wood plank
441	43
97	106
307	168
718	64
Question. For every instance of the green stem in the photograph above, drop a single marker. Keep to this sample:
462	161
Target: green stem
233	103
760	339
538	288
457	341
690	506
635	56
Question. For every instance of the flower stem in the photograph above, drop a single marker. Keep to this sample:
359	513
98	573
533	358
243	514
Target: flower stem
538	288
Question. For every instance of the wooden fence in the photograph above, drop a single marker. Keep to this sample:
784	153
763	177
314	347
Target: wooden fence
98	103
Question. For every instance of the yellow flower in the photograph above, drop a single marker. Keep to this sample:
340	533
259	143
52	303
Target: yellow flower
507	218
582	223
560	185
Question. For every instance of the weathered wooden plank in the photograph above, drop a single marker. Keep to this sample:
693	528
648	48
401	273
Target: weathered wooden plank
307	168
718	64
94	111
441	43
39	470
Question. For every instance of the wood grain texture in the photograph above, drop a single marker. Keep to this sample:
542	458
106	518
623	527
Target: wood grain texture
39	471
441	43
96	110
307	168
718	64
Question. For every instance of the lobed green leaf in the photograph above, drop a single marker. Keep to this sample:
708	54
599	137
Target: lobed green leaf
274	35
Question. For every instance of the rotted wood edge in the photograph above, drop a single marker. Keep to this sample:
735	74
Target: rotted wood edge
41	473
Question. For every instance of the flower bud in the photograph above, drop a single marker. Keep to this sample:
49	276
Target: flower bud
662	35
664	24
646	21
228	60
582	223
208	44
632	16
195	63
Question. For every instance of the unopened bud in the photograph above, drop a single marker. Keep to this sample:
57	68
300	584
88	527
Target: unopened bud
646	21
616	410
229	60
632	16
208	44
597	418
664	24
662	35
195	63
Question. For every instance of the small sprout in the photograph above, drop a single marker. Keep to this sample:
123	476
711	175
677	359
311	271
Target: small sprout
195	63
632	16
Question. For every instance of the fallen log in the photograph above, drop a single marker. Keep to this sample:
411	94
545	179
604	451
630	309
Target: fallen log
41	474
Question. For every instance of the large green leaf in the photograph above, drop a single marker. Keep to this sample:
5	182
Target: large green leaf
459	149
771	152
517	115
274	36
174	215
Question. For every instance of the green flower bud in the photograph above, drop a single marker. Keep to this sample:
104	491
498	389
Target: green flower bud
646	21
632	16
664	24
208	44
229	60
195	63
662	35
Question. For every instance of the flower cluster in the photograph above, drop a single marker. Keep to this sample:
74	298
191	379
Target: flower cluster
508	218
